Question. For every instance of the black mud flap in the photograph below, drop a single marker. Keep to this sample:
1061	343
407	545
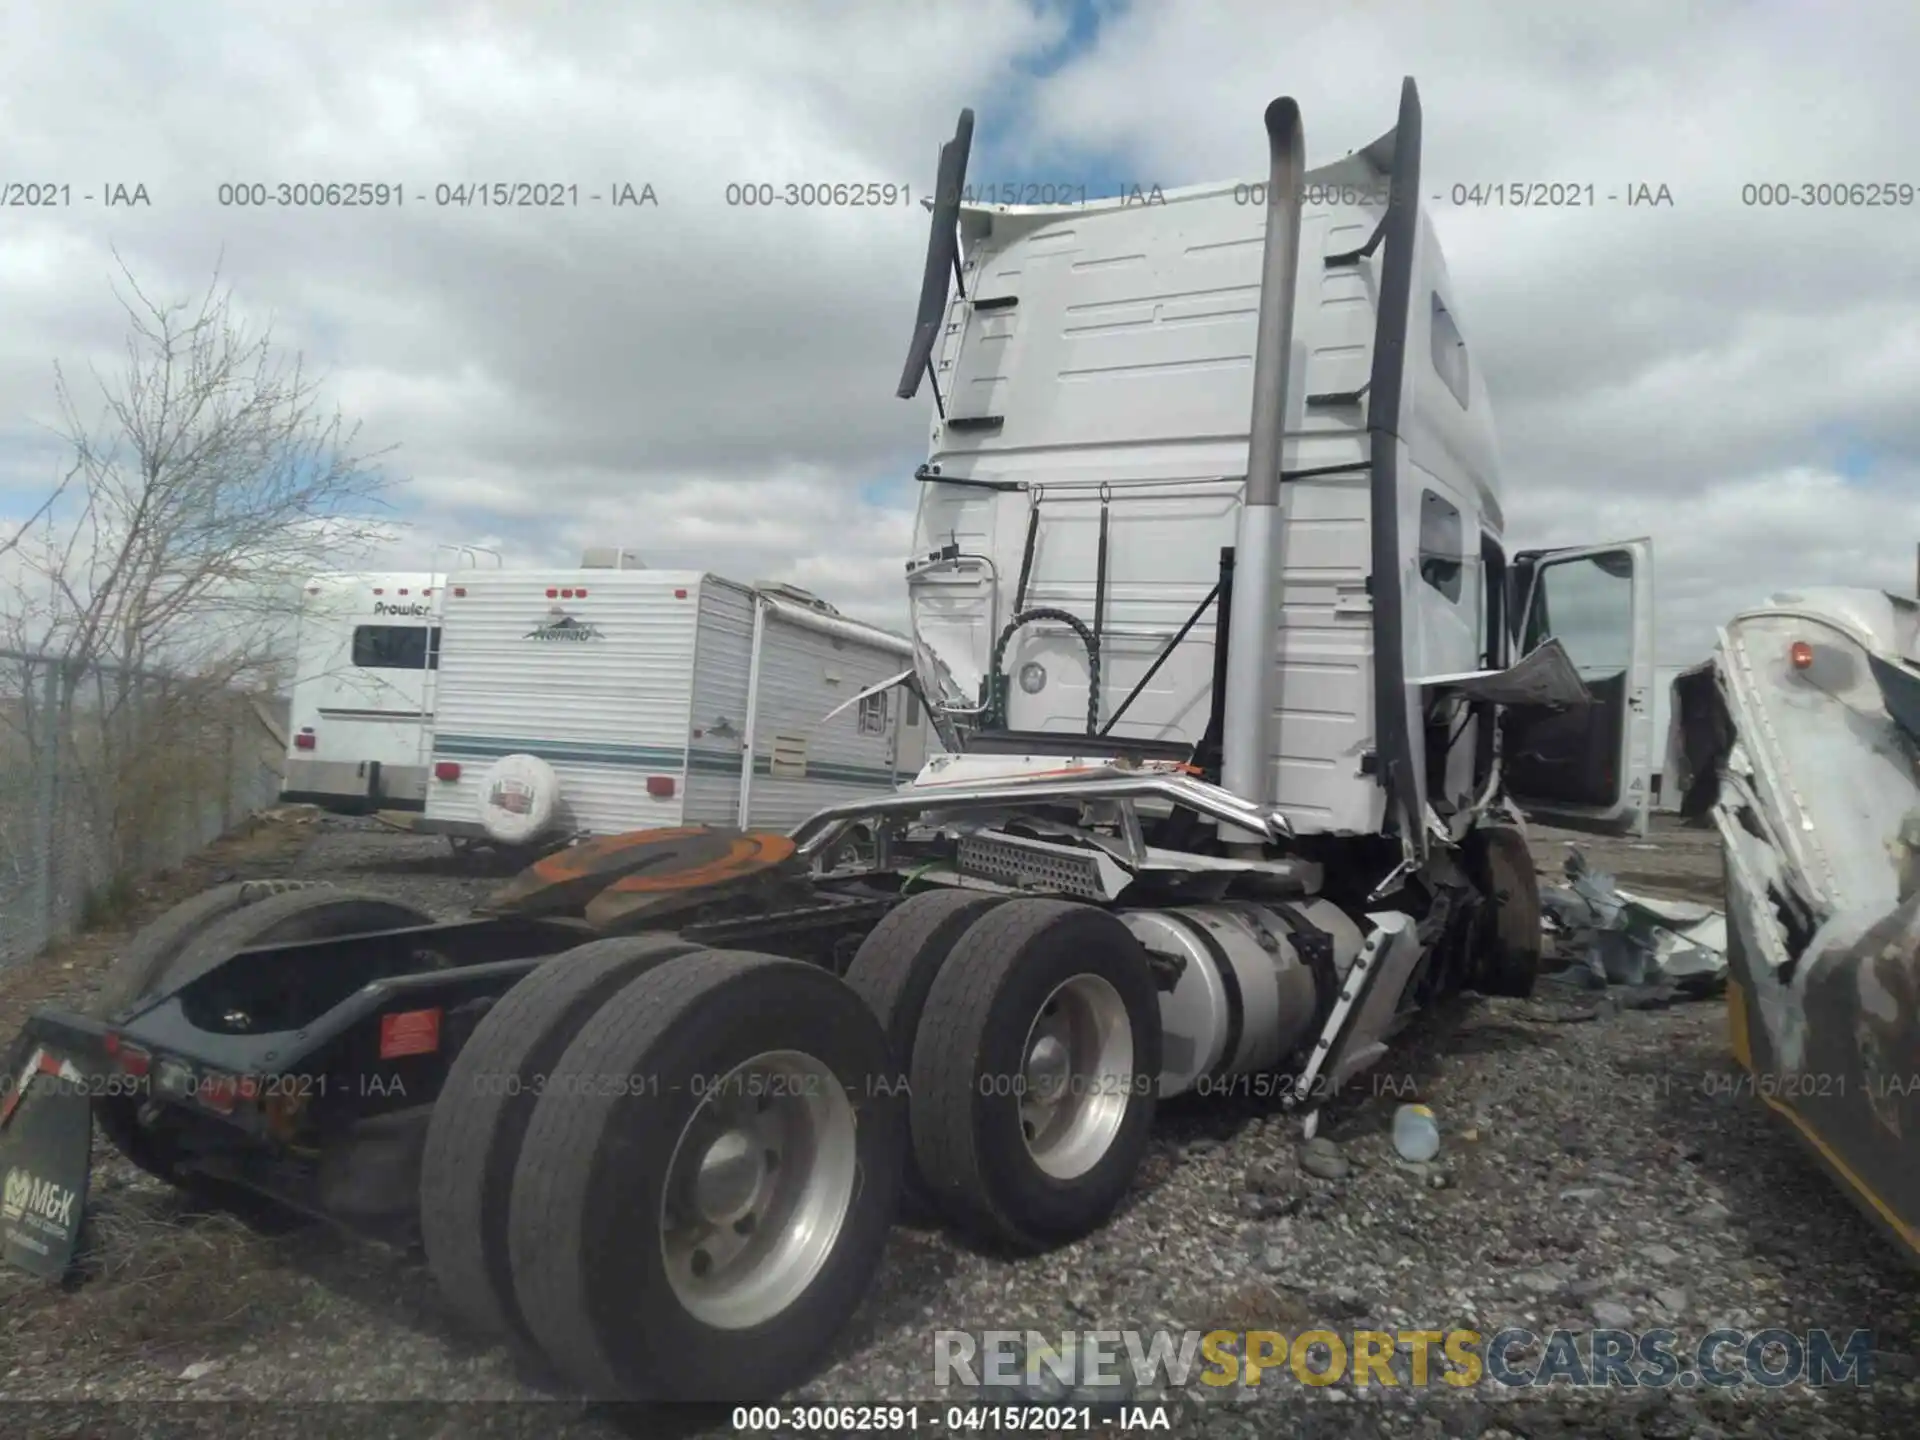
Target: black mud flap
46	1154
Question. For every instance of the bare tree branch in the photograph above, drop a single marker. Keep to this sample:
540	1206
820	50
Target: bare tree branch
211	483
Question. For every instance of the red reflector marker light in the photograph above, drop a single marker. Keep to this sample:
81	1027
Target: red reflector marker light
460	592
679	594
218	1092
446	770
553	594
566	594
409	1032
1801	653
581	593
660	786
304	740
378	591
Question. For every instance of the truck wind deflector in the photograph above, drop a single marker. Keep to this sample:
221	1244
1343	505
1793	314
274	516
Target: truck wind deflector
943	258
1397	156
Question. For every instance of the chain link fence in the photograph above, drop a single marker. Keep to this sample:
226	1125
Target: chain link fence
109	775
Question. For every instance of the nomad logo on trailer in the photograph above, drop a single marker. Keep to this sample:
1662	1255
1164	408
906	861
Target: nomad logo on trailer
26	1194
559	625
381	607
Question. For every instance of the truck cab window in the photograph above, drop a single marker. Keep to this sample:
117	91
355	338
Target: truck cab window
1449	353
1441	538
1586	604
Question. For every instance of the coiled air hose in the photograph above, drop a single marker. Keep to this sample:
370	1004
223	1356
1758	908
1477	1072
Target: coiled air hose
996	697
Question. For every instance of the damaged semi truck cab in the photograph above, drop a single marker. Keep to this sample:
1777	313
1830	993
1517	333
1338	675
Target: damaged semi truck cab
1237	684
1211	534
1801	740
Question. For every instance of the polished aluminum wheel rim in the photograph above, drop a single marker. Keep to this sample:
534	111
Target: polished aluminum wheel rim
1077	1080
759	1186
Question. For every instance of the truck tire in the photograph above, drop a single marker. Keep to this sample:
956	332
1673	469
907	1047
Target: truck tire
304	914
893	971
1509	939
481	1115
1035	1073
132	975
317	914
641	1260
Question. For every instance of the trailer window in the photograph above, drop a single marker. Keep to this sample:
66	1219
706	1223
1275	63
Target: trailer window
1441	556
396	647
1449	352
873	714
912	702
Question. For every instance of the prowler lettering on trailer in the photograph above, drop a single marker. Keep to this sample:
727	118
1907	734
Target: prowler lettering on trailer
1213	612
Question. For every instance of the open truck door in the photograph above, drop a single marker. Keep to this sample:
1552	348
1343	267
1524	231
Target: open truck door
1586	767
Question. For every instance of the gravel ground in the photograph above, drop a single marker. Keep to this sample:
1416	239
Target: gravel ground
1596	1168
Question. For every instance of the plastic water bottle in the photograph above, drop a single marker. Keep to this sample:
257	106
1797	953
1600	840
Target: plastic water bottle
1416	1135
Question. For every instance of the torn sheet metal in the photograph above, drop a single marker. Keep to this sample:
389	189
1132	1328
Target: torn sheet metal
1624	938
1544	676
1814	746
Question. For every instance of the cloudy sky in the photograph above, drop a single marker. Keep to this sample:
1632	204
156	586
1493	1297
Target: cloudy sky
712	385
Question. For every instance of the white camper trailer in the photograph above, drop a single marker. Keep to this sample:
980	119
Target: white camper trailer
363	691
592	702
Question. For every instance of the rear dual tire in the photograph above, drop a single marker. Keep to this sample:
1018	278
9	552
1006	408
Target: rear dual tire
480	1120
702	1201
561	1198
1033	1027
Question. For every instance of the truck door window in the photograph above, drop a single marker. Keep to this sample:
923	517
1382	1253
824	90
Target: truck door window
396	647
1449	353
1586	604
1441	556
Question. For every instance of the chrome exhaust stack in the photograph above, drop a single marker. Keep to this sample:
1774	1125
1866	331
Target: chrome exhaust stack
1248	702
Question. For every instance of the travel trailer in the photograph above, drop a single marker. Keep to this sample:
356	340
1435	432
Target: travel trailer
575	703
1237	681
363	686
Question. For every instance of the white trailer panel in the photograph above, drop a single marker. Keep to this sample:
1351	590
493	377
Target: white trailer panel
362	703
644	691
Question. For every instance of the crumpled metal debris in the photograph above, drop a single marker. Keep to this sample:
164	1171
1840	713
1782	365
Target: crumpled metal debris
1621	938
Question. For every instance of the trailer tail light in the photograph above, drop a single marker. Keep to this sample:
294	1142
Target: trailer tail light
305	740
660	786
581	593
282	1109
409	1032
131	1059
1801	654
553	594
218	1093
446	770
567	594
